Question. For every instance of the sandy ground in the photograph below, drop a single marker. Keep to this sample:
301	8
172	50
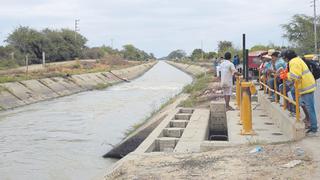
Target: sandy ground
229	163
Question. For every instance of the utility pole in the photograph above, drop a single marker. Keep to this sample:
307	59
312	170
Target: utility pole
27	65
76	28
43	59
12	55
315	26
201	50
112	43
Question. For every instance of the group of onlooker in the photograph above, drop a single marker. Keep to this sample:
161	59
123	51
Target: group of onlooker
278	66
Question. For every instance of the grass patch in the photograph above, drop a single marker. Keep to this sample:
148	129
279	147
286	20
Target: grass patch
62	70
6	78
7	64
195	89
101	86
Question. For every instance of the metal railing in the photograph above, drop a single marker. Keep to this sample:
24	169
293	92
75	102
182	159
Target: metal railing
282	94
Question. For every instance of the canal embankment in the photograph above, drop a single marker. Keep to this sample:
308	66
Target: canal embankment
172	152
138	135
130	143
20	93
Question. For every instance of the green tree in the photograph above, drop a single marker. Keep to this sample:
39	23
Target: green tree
197	54
211	55
132	53
109	50
299	31
27	41
93	53
224	46
177	54
59	45
259	48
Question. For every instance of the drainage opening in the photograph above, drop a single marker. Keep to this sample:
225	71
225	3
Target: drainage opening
263	115
268	123
218	136
218	129
277	134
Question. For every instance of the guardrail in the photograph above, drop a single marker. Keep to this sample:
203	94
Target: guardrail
286	99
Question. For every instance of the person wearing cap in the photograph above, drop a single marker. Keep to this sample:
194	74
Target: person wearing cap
227	71
261	68
277	64
298	70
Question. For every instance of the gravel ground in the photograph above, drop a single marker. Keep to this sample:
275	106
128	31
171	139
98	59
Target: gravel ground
229	163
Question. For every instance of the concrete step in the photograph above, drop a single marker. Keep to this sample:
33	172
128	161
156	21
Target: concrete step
173	132
178	123
181	116
165	144
186	111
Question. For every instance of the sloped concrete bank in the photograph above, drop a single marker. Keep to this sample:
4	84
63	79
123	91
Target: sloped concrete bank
130	143
15	94
193	70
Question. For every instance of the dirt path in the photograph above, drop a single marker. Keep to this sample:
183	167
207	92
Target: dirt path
229	163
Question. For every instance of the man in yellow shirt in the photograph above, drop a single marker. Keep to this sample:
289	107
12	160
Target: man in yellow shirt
298	70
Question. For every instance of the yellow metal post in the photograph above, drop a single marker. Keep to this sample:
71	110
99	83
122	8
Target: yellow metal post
246	112
297	94
275	88
284	92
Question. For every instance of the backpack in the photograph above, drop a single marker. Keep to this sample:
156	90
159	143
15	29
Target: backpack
314	67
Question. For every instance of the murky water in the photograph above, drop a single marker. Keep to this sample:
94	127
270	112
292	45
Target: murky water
66	138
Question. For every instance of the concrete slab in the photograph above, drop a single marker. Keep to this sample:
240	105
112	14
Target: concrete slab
111	78
21	92
178	123
7	100
82	82
102	77
183	116
190	69
94	78
37	87
165	144
288	125
266	130
149	143
173	132
55	86
195	133
68	84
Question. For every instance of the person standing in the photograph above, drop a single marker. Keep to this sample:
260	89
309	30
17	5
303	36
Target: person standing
298	70
236	60
277	65
227	71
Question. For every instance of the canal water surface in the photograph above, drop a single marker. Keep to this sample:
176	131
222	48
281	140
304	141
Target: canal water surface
65	138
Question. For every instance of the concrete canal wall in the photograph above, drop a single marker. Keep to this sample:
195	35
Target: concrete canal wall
15	94
193	70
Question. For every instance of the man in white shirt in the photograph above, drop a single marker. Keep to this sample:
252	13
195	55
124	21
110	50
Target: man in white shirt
227	69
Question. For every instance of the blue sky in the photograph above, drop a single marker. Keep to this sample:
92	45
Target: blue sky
158	26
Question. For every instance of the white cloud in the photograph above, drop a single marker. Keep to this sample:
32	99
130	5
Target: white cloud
158	26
